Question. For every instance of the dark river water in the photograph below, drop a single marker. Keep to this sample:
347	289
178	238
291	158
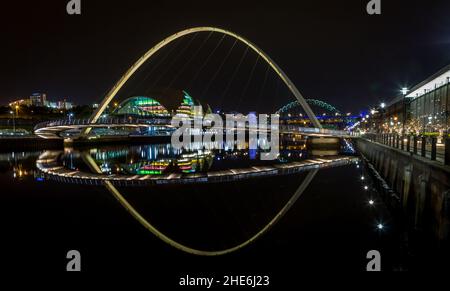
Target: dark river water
330	226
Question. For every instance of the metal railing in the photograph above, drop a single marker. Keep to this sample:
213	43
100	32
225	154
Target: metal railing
315	130
424	146
101	121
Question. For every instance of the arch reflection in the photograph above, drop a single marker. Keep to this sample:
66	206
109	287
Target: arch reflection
160	161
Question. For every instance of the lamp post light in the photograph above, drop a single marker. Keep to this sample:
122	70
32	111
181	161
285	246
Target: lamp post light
382	115
14	121
404	92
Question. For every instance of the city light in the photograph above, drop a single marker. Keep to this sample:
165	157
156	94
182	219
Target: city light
159	157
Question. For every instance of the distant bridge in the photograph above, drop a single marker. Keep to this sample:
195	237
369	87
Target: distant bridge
314	102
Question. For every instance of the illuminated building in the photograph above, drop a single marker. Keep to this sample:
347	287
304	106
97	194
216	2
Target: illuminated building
38	99
158	105
424	109
429	103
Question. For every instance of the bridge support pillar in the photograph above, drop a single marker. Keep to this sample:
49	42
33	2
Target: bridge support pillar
315	143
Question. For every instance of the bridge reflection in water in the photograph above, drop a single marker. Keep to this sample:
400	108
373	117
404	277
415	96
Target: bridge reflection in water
116	168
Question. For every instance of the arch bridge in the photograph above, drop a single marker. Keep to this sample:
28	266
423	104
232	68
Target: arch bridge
54	129
313	102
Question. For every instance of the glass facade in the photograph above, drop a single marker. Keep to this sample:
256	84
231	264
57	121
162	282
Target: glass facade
142	106
148	107
429	112
186	105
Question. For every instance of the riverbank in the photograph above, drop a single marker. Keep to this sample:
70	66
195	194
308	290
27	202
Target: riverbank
423	187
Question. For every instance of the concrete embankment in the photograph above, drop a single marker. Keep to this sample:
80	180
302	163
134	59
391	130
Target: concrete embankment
422	187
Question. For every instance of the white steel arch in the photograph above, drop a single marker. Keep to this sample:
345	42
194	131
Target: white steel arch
110	95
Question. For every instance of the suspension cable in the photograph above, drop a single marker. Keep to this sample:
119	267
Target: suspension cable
173	61
266	74
189	61
205	62
248	82
218	70
168	52
224	94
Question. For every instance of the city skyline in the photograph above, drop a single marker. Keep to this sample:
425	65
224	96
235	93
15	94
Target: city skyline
83	57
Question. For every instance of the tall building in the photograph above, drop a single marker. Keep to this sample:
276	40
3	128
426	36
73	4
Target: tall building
38	99
64	104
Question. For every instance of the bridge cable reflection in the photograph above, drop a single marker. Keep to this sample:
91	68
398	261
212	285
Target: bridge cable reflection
87	158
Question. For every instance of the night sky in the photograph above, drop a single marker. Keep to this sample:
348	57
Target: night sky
332	50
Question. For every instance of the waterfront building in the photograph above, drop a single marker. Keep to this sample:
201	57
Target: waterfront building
39	99
422	110
159	105
429	103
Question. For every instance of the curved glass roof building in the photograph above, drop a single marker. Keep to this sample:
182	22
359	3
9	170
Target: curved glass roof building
142	106
164	105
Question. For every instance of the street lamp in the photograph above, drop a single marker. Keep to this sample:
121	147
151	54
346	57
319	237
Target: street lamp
14	121
382	105
404	92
